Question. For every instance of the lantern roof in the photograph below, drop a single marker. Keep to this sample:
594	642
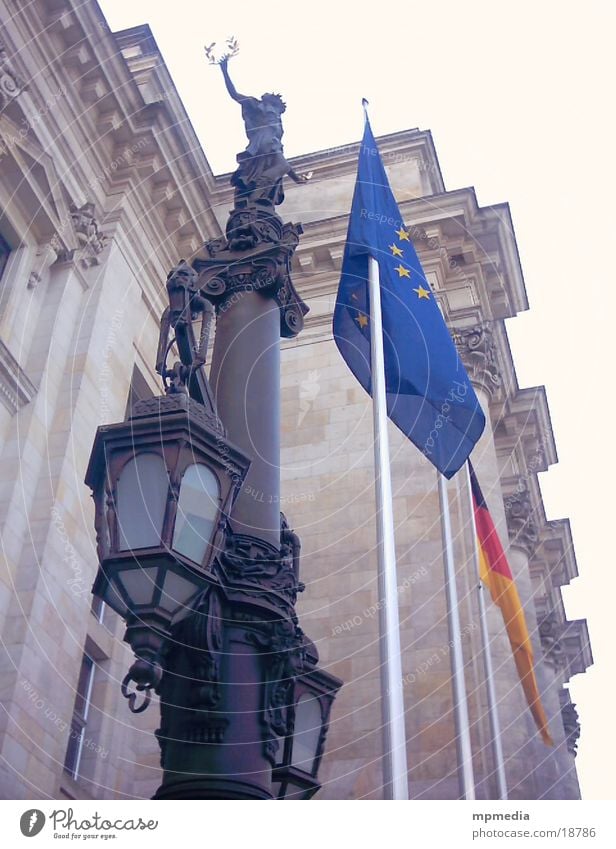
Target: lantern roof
163	419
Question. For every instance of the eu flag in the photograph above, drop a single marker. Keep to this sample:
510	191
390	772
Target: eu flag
429	394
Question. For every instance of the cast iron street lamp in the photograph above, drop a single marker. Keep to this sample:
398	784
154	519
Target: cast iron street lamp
162	484
194	553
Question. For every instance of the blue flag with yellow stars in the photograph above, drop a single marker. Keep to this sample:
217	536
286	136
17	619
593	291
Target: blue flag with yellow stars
429	394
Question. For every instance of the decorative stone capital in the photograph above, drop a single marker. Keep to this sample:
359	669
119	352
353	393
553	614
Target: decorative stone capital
550	632
521	522
571	721
90	239
477	351
255	256
11	84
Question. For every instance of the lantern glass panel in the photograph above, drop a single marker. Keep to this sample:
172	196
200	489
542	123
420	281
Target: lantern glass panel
141	501
114	599
140	584
177	592
198	508
308	722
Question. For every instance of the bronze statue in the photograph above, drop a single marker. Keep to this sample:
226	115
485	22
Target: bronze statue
262	166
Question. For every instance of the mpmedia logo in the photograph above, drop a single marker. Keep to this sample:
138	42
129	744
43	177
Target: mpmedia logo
32	822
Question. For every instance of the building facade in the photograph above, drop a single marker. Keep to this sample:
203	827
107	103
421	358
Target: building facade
104	187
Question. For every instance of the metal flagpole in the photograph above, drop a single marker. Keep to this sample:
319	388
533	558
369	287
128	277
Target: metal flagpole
497	746
394	735
463	735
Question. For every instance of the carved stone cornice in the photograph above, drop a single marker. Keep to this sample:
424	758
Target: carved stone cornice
11	84
575	641
478	352
553	562
16	388
521	522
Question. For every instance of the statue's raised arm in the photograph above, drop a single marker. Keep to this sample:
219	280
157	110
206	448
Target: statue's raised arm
262	166
224	62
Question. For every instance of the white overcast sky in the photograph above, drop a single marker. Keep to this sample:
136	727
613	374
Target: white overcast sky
519	97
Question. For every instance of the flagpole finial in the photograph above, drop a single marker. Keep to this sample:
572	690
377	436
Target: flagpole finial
364	103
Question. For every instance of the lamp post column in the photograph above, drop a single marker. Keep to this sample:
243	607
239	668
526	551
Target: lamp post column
245	378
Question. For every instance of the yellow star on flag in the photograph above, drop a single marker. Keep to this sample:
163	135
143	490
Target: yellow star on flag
362	320
422	293
402	235
396	251
402	271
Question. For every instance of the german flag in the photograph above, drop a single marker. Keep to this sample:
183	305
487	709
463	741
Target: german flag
495	573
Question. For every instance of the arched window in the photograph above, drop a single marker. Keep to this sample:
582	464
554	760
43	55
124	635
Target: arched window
141	501
198	506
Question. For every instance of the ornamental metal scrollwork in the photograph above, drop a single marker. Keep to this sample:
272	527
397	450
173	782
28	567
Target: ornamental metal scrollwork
147	677
202	634
259	569
283	647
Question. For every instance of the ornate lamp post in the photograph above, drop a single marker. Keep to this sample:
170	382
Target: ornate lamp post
204	573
